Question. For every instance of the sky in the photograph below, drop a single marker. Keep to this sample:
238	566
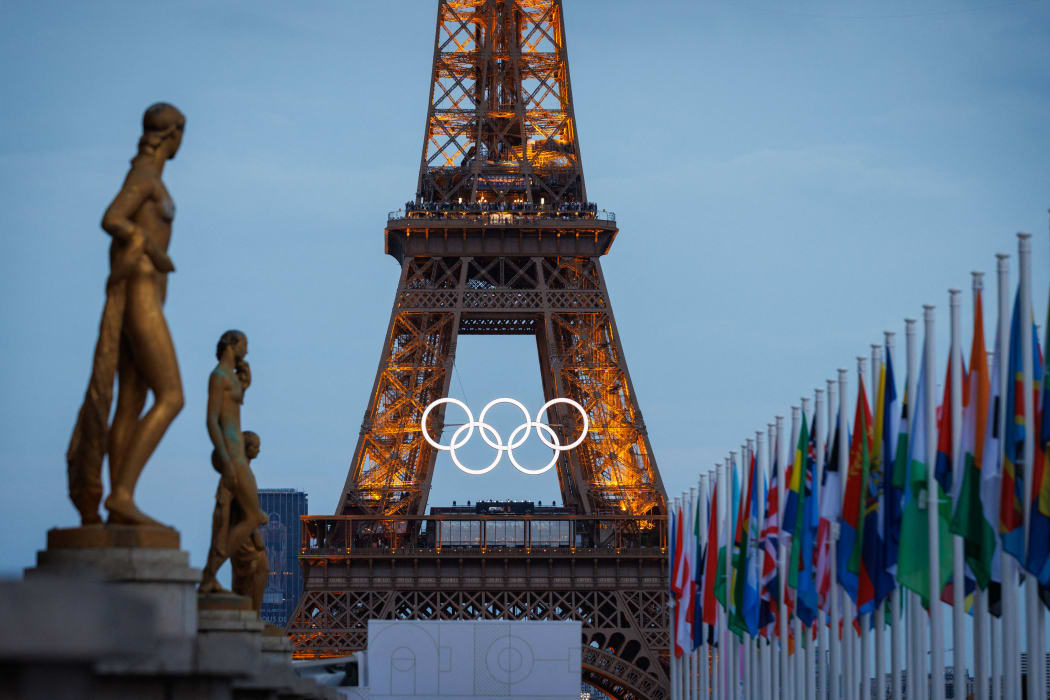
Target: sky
790	179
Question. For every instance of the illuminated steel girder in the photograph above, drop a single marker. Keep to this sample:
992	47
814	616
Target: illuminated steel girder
500	240
500	122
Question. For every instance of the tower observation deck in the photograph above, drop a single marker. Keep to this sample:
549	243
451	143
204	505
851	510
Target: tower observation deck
500	239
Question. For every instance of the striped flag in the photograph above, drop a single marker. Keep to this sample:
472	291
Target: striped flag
852	573
968	520
710	613
830	508
803	528
770	598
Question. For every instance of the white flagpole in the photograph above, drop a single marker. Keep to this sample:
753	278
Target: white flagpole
812	650
690	655
933	536
896	639
865	626
835	592
773	650
794	667
764	665
671	550
725	493
917	686
879	614
749	648
980	612
705	646
827	638
732	654
1011	620
782	617
958	562
1034	609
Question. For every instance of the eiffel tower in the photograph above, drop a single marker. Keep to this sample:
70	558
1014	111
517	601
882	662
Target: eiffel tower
500	239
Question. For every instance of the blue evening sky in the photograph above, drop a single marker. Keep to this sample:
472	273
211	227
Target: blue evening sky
790	178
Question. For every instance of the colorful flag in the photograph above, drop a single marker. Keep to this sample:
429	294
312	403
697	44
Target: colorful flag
804	528
894	442
968	520
711	566
991	478
1039	516
1011	506
873	546
897	484
853	571
680	585
745	561
770	596
830	509
913	561
698	582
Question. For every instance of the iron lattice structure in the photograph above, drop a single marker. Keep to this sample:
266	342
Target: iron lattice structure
500	239
500	120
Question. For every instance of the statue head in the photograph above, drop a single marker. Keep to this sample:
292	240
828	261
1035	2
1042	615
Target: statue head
251	444
236	340
162	127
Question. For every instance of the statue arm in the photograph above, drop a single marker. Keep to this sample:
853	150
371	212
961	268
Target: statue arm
118	222
216	389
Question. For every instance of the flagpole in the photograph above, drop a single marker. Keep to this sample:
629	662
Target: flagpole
782	617
1011	659
932	506
1034	609
980	611
814	657
917	685
827	638
958	565
895	594
702	650
834	590
879	614
797	686
732	651
804	653
865	628
774	650
723	637
690	656
672	632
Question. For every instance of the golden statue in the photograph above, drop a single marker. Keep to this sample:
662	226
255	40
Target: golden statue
250	565
134	343
235	529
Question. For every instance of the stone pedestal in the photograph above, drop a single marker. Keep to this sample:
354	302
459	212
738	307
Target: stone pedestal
145	563
229	635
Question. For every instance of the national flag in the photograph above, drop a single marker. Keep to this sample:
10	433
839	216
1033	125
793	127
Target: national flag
770	596
698	563
1011	506
897	478
744	618
681	584
852	574
968	519
873	546
712	572
913	561
830	508
894	442
804	529
1038	562
991	477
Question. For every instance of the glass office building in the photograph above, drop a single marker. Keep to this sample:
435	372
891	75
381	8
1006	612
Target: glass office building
281	536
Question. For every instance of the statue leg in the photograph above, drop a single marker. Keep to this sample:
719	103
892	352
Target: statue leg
217	553
154	356
131	399
246	493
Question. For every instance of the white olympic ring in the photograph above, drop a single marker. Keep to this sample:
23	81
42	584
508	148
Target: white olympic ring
494	440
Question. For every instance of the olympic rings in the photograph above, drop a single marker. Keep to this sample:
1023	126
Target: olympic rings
494	440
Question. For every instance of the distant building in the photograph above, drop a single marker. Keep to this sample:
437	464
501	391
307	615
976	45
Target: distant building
281	536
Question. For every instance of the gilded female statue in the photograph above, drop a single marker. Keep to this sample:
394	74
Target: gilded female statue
134	341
